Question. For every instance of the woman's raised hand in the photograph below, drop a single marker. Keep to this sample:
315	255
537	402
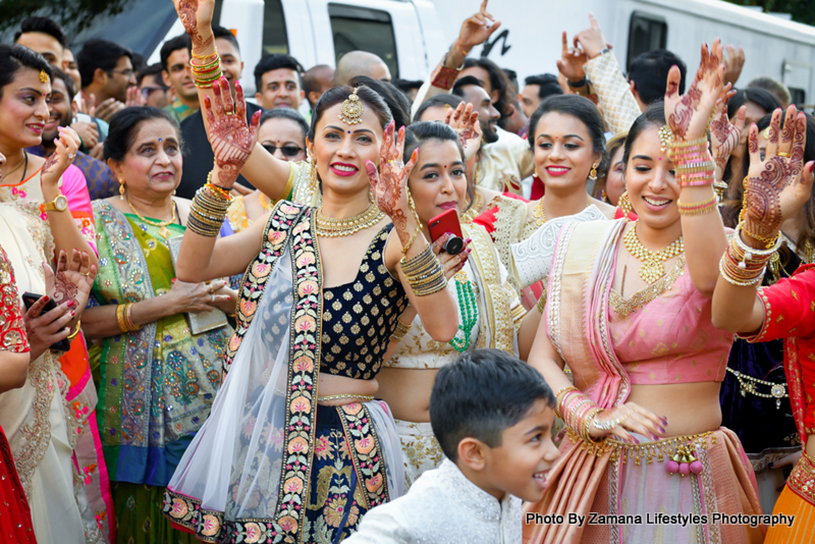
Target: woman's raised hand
724	135
775	188
61	158
628	418
196	16
231	138
465	122
389	186
688	114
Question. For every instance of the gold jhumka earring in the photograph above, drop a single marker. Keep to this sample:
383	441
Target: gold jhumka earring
312	175
625	205
593	173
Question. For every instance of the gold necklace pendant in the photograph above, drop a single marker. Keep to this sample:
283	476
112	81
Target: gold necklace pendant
538	213
333	228
163	230
653	263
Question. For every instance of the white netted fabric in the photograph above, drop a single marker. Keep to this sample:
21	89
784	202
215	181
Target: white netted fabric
233	464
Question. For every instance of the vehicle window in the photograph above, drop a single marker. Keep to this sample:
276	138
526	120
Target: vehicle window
798	96
155	18
275	38
363	29
645	33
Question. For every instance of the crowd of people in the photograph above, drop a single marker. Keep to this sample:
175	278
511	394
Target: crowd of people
225	321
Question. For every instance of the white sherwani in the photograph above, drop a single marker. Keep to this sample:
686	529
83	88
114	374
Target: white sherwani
443	506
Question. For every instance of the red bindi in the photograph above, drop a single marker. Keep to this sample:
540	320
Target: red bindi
445	166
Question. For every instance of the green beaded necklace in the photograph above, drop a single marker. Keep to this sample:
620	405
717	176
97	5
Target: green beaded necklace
469	312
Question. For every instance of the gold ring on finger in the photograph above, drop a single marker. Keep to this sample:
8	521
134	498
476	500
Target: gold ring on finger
86	274
783	154
211	289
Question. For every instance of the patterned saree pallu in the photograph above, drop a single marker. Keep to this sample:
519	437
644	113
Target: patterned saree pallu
268	466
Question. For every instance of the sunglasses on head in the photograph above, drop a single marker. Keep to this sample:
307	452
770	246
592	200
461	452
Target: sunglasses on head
288	150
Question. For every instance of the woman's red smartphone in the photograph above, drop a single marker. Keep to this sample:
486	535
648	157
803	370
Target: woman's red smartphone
447	222
29	299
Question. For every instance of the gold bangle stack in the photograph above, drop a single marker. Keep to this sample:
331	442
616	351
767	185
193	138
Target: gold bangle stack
124	317
401	330
698	208
424	273
208	210
208	72
559	399
742	265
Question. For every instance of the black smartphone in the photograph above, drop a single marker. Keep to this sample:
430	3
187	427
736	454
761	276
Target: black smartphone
29	299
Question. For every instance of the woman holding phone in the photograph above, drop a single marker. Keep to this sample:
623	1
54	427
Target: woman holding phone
489	312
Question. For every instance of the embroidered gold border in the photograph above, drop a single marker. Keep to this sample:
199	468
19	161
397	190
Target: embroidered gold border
626	306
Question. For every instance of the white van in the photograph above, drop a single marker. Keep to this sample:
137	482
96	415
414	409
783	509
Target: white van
412	35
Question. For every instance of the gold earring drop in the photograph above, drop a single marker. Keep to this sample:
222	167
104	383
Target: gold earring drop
312	178
121	190
593	173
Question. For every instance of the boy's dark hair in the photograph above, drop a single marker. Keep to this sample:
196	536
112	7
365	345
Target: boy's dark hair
100	54
439	100
222	32
172	45
547	85
480	395
44	25
466	81
277	61
69	83
649	72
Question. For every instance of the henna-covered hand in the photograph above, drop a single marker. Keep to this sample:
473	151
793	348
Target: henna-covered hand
465	122
724	136
778	186
688	114
196	16
389	187
477	29
61	158
231	138
73	280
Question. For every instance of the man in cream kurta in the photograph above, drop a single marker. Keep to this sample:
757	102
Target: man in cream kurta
443	506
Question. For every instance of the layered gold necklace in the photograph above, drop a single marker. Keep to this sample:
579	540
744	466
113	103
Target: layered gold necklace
333	228
653	263
162	225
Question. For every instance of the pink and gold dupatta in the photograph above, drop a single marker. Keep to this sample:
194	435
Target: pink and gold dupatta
582	271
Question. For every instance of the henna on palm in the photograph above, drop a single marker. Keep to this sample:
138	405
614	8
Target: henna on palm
50	163
64	289
232	140
726	137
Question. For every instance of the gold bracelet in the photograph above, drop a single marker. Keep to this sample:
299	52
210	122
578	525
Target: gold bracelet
129	317
401	330
71	336
698	208
120	317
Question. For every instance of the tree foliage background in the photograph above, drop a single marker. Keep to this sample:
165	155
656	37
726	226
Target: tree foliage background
802	11
73	15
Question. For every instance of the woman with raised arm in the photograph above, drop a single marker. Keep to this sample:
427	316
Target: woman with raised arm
296	446
776	188
628	309
489	311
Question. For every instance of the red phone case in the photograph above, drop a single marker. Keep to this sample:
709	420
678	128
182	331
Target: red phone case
443	223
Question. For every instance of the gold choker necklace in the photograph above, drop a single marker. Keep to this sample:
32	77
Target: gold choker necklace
163	230
653	263
333	228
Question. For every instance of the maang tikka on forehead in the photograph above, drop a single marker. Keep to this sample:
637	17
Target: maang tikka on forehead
44	76
351	110
666	138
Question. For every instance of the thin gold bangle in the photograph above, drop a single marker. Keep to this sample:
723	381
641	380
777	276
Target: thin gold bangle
71	336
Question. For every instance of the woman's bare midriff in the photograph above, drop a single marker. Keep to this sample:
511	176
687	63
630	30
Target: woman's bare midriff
691	408
811	446
407	392
329	385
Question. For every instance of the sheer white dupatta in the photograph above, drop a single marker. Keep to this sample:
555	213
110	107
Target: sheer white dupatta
232	469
